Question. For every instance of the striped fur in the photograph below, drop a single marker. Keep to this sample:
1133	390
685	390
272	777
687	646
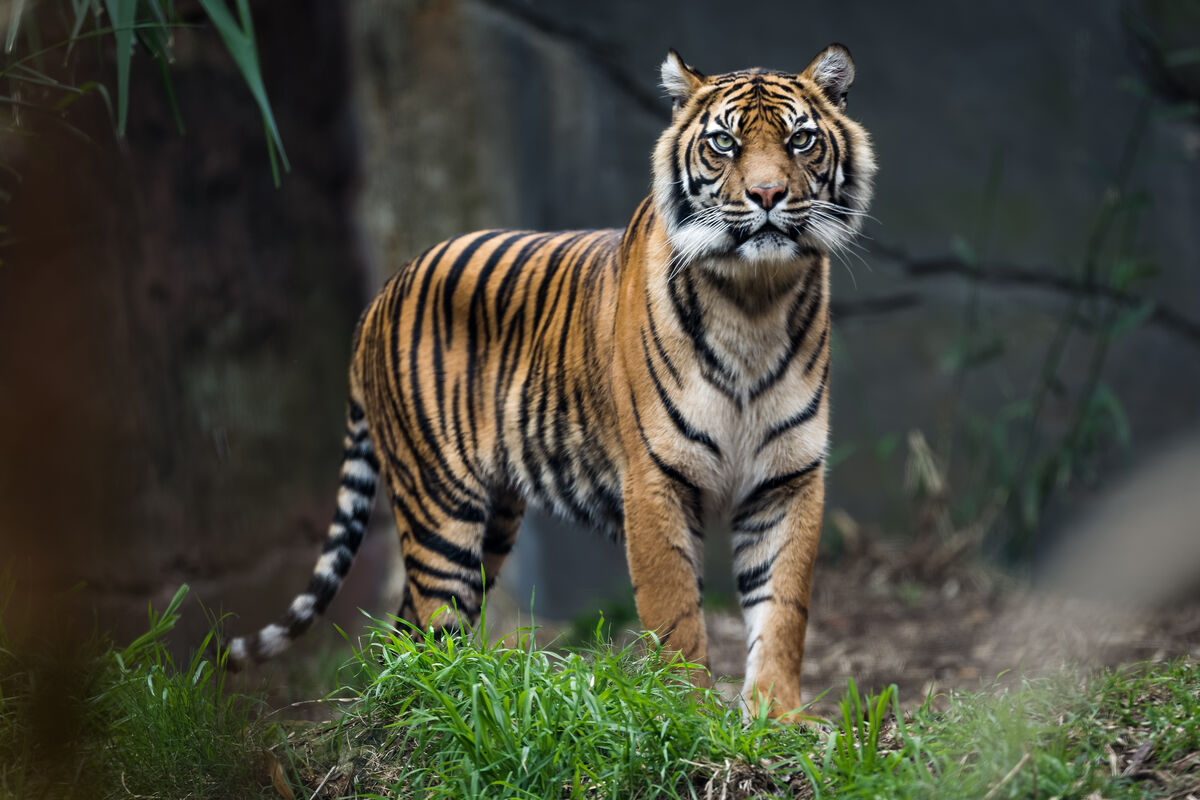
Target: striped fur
644	381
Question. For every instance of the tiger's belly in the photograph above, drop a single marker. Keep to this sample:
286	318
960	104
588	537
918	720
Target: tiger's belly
562	454
562	446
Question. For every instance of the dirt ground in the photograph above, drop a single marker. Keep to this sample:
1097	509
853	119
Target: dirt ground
925	619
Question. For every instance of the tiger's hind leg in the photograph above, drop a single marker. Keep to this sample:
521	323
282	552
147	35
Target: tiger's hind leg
449	555
499	536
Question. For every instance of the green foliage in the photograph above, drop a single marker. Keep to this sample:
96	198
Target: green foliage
468	719
34	87
617	615
175	732
100	721
1051	737
451	716
1008	467
854	747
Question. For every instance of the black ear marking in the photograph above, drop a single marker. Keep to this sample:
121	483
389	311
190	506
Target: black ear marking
833	71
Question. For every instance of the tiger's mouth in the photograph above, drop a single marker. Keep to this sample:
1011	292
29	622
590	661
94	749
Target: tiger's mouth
764	234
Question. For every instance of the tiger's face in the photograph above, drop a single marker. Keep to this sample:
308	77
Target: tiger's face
760	166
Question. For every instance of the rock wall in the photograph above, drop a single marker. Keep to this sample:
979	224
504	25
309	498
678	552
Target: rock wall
542	115
176	331
176	328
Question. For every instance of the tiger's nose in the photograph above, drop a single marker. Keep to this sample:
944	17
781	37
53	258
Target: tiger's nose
767	194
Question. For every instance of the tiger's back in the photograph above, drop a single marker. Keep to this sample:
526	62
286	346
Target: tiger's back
516	330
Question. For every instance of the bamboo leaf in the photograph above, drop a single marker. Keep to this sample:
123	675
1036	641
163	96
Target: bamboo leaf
240	43
121	13
81	7
14	25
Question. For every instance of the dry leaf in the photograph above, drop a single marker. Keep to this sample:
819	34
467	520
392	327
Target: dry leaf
278	779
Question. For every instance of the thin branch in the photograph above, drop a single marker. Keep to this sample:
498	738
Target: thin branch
874	306
604	54
1045	279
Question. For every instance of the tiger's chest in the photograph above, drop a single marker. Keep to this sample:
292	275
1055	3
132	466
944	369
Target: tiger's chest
752	439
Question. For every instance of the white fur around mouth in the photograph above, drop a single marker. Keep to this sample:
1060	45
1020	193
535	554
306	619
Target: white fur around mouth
767	245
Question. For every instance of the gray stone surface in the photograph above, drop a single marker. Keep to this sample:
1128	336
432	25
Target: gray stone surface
172	381
542	115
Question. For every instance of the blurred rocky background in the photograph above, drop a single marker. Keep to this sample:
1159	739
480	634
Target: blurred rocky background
1020	331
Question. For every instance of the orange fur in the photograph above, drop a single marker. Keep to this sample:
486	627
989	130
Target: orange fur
642	381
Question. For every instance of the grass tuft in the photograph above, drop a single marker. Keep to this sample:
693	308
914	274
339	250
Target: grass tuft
426	715
93	720
468	719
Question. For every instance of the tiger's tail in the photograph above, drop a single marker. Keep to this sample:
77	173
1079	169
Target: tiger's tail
359	477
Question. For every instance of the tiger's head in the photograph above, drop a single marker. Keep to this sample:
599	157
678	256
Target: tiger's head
760	166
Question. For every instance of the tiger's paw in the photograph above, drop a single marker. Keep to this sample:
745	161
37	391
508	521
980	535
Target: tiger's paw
776	696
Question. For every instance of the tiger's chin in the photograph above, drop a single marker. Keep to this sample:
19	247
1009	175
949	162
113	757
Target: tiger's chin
695	243
768	247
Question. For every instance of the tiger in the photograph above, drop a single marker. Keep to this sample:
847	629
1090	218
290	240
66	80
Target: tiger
646	382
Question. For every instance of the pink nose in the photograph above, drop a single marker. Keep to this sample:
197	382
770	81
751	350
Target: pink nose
767	195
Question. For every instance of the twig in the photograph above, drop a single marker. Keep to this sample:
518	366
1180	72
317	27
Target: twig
1010	275
603	54
299	703
1012	773
1139	757
322	783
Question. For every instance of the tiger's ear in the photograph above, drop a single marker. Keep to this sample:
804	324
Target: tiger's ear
679	79
833	71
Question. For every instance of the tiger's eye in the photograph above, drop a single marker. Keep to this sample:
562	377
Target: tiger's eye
722	141
802	140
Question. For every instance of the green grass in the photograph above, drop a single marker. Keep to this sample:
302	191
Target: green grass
456	717
94	720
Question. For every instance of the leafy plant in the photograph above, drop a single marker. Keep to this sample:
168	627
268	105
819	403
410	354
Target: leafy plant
463	719
102	721
34	86
1010	465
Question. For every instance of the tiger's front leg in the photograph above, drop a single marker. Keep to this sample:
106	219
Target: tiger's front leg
775	536
665	553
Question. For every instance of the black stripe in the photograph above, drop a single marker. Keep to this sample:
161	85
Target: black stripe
812	360
658	345
756	577
440	484
742	524
452	276
414	564
750	602
323	587
688	312
356	523
800	417
477	325
346	539
681	424
808	302
695	505
361	485
754	501
432	540
452	598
